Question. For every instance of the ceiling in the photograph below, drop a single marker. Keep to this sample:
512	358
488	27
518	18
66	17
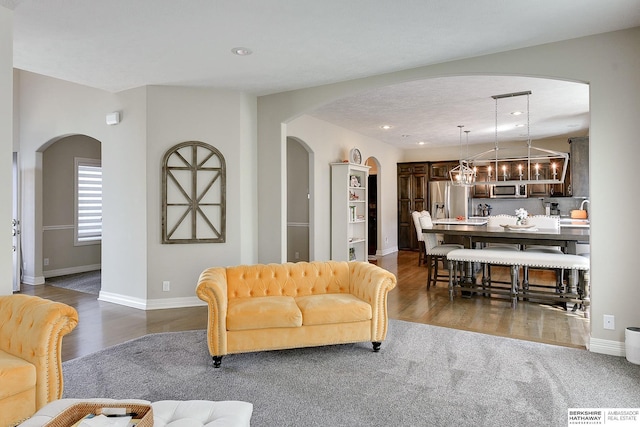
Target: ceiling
122	44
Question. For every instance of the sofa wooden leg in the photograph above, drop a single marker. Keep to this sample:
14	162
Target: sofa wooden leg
376	346
217	361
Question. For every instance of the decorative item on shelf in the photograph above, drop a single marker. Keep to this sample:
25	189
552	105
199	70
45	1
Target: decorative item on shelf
355	156
529	165
354	181
352	213
521	216
352	254
463	174
353	196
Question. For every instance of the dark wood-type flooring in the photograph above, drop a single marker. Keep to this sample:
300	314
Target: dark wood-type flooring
104	324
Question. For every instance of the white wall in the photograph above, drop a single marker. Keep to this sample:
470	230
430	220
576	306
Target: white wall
215	117
331	143
6	147
134	262
50	109
609	63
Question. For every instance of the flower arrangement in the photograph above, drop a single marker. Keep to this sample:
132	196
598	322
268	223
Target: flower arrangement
521	215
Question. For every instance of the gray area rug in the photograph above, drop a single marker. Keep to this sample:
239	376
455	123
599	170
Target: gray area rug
423	376
88	282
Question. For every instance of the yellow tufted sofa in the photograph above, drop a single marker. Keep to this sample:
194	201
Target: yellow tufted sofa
31	331
278	306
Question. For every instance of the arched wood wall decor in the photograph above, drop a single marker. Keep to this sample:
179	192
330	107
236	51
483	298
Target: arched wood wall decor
193	194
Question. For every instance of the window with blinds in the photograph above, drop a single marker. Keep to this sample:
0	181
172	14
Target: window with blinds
88	224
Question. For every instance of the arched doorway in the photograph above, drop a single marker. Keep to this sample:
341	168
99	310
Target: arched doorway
373	211
299	200
72	213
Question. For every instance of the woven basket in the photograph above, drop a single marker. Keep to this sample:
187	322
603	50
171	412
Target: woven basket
77	412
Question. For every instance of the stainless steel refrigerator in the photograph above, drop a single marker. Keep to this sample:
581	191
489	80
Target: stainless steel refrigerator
449	201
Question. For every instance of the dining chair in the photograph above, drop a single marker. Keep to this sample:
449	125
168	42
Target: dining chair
435	252
416	222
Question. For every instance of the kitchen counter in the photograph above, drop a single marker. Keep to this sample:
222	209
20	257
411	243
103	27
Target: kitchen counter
574	223
466	221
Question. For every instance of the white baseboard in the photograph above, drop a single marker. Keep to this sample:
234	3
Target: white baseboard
71	270
128	301
162	303
386	251
152	304
612	348
33	280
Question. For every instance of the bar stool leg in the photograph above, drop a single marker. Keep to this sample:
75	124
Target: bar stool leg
586	292
514	285
451	274
429	262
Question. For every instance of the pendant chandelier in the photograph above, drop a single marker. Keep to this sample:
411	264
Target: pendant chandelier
538	166
463	175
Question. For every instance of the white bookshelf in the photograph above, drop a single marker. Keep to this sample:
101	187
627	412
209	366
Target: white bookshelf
349	204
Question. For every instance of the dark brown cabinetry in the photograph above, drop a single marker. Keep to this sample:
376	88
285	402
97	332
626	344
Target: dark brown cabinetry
541	172
412	196
439	171
481	190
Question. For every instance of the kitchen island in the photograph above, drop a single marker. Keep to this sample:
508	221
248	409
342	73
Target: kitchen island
565	237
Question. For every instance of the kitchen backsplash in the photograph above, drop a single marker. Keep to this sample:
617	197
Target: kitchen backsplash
535	206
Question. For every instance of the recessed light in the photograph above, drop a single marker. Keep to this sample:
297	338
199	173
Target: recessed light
241	51
520	125
421	142
386	127
516	113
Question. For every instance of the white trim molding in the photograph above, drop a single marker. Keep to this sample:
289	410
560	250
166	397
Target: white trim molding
612	348
154	304
33	280
72	270
139	303
386	251
162	303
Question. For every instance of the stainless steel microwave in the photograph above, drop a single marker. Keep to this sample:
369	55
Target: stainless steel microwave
508	191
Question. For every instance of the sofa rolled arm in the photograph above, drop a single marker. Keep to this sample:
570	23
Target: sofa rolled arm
32	328
212	288
372	284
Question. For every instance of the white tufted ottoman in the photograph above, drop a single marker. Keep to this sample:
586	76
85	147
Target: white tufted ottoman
195	413
173	413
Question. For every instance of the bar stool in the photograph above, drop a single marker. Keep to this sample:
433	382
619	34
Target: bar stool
435	252
496	221
546	222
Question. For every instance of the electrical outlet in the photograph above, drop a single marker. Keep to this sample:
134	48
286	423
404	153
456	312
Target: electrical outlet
46	261
166	286
609	321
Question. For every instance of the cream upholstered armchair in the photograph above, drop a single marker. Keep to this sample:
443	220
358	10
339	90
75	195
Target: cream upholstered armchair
31	331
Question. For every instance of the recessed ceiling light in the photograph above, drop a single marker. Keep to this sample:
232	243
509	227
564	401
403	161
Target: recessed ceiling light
516	113
520	125
421	142
386	127
241	51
